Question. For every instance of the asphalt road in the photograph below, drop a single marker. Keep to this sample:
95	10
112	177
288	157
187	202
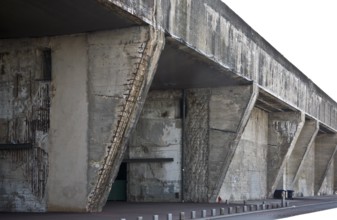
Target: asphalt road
130	211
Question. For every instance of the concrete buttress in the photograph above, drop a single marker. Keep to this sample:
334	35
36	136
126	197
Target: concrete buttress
230	109
215	122
284	130
122	67
300	156
325	149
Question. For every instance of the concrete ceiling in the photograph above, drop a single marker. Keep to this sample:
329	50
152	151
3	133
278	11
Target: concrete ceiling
36	18
180	67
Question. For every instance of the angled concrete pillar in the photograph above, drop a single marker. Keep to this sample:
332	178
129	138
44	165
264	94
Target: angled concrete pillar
122	67
301	155
100	84
284	130
325	149
214	124
230	109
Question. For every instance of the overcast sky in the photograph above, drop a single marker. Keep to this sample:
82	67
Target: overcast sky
304	31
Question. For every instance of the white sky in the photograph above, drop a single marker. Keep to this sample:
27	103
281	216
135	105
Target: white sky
304	31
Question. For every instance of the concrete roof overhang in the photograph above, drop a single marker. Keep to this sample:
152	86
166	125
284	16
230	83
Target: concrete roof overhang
38	18
179	67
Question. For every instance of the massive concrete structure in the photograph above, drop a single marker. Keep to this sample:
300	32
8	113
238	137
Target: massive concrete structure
156	100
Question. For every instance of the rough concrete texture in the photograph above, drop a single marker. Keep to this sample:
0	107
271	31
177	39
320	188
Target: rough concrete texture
196	145
156	136
327	187
24	119
121	66
230	109
284	130
215	31
335	175
99	84
214	124
325	149
302	152
305	178
246	178
68	147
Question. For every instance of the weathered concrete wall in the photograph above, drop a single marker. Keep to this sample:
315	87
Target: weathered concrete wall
230	109
156	136
68	147
300	164
24	126
122	64
327	187
305	179
100	81
247	174
325	149
215	31
214	124
196	145
284	130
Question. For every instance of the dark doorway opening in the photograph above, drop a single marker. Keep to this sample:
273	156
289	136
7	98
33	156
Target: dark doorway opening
118	188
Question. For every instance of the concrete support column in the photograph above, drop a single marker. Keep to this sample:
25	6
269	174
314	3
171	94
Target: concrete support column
100	81
68	142
122	64
214	124
301	153
335	173
325	149
196	149
284	130
230	109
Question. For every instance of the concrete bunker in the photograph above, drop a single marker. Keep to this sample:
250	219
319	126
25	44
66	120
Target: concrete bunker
221	95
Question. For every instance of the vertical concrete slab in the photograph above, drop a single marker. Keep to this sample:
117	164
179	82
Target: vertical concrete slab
301	152
156	138
229	112
335	173
68	147
246	178
284	130
304	183
325	149
196	148
24	125
121	64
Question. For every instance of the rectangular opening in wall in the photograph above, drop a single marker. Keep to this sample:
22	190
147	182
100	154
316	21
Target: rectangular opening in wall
46	71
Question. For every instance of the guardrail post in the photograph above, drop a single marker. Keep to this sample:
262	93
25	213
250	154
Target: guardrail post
193	215
182	216
203	213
